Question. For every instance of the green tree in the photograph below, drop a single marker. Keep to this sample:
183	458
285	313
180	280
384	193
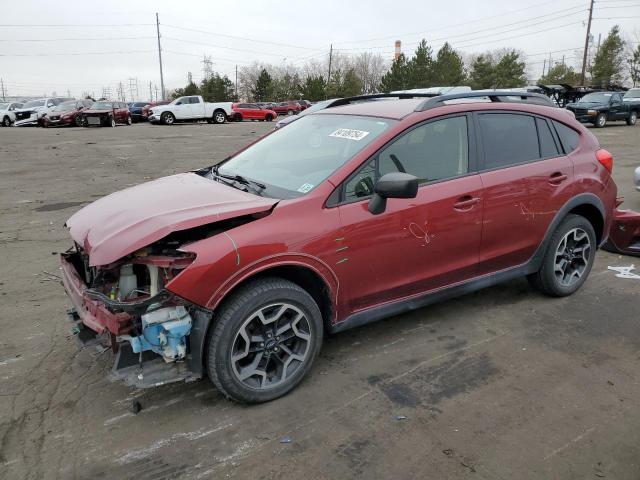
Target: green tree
608	65
351	84
334	87
217	89
560	73
314	88
397	78
190	89
510	71
482	74
634	65
287	87
449	67
420	67
263	90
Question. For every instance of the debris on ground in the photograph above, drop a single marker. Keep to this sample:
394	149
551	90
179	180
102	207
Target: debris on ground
625	272
286	439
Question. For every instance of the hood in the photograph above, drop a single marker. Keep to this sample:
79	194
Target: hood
125	221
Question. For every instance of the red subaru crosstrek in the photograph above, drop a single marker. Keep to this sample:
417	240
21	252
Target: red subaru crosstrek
349	215
252	111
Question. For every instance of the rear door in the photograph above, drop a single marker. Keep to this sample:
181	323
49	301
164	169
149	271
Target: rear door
418	244
526	181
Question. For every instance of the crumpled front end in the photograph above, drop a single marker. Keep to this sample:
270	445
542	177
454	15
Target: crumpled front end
125	306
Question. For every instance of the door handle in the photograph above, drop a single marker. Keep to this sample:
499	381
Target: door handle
557	178
465	203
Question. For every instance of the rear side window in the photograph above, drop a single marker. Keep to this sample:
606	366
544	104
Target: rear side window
548	147
568	136
508	139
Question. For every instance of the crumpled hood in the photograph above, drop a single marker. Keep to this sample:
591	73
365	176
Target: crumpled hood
125	221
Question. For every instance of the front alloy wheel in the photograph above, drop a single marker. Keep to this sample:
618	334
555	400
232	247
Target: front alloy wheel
601	120
112	122
264	341
633	118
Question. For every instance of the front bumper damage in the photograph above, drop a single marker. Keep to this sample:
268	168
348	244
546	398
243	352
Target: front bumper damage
150	335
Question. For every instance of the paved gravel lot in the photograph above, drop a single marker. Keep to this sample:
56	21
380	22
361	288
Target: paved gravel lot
500	384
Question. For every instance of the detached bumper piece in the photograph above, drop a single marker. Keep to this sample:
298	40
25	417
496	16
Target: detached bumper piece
624	235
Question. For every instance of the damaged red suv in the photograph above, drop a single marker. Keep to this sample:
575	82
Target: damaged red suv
354	213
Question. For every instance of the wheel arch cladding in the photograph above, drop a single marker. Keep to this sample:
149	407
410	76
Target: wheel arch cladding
595	217
305	277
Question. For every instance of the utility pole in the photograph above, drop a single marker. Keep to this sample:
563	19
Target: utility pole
330	60
207	68
150	93
586	45
2	88
156	87
237	96
598	47
160	53
544	66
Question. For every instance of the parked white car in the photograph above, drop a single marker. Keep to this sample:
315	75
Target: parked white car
636	178
31	112
191	108
7	113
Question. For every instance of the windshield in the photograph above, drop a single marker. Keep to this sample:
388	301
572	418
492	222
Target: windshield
102	106
314	108
34	103
294	160
597	97
65	107
632	94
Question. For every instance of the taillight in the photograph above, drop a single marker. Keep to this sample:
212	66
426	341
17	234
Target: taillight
605	158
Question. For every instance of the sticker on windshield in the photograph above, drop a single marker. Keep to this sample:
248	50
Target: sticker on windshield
305	188
349	134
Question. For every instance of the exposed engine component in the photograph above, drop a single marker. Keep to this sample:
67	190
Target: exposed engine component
128	281
164	331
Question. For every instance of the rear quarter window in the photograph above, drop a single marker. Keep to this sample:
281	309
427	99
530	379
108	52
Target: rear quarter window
548	147
568	137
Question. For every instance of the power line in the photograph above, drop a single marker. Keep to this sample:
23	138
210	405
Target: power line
72	54
71	39
222	46
65	25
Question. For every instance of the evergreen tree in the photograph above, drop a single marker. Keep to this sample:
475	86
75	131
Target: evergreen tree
313	88
608	64
397	76
560	73
351	84
420	67
482	73
217	89
334	87
510	71
263	90
448	67
190	89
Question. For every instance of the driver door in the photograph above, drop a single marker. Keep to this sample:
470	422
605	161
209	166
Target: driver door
415	245
182	109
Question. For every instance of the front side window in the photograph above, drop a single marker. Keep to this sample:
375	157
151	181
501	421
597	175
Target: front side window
508	139
435	151
292	161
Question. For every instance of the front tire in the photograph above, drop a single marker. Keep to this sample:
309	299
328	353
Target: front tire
601	120
129	121
632	119
112	122
289	112
268	117
168	118
78	121
265	339
569	257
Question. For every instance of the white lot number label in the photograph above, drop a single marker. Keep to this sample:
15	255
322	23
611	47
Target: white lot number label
307	187
349	134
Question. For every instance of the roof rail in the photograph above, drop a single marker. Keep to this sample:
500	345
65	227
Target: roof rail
373	96
499	96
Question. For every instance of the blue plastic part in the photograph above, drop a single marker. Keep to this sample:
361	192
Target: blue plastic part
166	338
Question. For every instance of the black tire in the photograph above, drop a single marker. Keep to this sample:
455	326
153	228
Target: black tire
601	120
289	112
239	117
112	122
129	121
6	121
632	119
236	314
78	121
546	279
167	118
268	117
219	116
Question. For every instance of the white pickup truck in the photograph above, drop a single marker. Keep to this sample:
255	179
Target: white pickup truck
189	109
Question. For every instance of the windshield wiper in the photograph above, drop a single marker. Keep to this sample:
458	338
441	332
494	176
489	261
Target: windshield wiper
239	179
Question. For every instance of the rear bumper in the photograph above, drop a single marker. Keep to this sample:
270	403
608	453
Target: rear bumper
91	313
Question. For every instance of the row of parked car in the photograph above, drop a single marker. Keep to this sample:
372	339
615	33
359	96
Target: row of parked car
61	111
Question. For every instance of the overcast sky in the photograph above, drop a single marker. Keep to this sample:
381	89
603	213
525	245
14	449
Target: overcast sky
88	45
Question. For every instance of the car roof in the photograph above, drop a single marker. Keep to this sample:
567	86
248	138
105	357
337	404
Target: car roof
387	108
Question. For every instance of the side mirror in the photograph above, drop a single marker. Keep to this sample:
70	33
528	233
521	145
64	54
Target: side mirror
392	185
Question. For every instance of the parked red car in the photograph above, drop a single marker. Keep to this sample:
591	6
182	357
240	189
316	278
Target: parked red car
66	114
106	114
287	108
351	214
150	105
252	111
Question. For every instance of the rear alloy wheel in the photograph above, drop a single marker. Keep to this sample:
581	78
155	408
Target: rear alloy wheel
568	259
219	116
6	121
167	118
112	122
633	118
601	120
264	341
